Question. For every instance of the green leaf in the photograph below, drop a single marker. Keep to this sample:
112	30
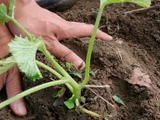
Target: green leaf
77	73
69	104
92	73
60	92
69	66
24	52
7	64
11	8
118	100
3	14
143	3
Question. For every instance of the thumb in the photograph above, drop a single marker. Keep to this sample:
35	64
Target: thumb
13	87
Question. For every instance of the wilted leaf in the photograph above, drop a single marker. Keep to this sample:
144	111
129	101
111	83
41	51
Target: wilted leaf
138	77
118	100
7	64
24	52
59	101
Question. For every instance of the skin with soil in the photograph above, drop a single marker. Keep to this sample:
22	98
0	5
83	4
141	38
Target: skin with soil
136	44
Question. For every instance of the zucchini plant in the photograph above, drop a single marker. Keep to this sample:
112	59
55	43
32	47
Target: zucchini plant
29	46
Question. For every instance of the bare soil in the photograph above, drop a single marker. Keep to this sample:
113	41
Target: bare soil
136	45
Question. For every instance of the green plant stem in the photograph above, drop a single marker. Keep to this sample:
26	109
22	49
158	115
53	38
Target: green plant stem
76	88
90	112
49	69
32	90
74	84
55	63
54	73
21	27
90	48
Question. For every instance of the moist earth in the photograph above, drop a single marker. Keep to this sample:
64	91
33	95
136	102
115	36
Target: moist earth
130	65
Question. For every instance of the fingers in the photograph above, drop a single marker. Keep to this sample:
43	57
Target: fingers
62	52
74	29
5	38
2	80
13	87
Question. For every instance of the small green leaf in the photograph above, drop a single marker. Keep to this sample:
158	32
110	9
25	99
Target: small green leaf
3	14
118	100
69	104
7	64
143	3
77	73
11	8
92	73
60	92
24	52
69	66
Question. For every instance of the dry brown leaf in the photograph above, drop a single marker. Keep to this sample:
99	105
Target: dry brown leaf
140	78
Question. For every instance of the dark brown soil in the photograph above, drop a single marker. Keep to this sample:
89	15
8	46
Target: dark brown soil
136	44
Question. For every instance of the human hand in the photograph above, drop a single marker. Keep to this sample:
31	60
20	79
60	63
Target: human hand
52	28
11	78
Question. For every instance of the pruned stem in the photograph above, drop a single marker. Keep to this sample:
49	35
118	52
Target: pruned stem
101	97
97	86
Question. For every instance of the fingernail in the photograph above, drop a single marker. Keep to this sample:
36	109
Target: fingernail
78	63
110	38
21	110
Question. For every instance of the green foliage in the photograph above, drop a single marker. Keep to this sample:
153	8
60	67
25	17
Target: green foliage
3	14
118	100
69	67
7	64
60	93
92	73
143	3
77	73
6	16
69	104
11	8
24	52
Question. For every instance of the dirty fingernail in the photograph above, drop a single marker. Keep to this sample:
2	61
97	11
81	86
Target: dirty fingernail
109	37
78	63
21	110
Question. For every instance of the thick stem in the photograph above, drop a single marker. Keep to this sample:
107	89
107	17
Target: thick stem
49	69
54	73
32	90
72	82
90	48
